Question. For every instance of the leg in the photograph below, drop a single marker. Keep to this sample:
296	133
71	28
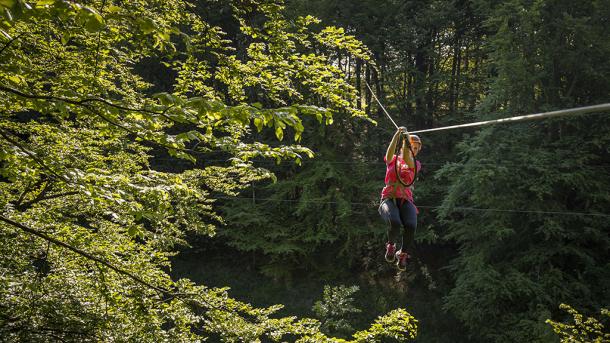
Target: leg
408	214
391	215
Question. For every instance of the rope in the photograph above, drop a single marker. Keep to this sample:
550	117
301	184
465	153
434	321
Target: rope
571	111
368	162
379	102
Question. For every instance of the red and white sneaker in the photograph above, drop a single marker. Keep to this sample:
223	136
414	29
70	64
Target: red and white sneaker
402	258
390	251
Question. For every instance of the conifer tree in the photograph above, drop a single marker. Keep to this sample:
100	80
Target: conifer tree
534	249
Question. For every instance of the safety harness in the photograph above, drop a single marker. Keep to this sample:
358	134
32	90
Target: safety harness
399	181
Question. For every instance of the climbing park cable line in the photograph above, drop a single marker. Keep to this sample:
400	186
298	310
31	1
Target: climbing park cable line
535	116
379	102
459	208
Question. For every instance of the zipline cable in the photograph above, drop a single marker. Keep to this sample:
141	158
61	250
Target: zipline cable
571	111
379	102
542	115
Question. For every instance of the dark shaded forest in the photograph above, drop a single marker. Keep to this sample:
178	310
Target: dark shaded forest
503	234
154	153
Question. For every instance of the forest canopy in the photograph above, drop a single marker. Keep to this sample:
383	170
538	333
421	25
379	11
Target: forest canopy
130	131
88	224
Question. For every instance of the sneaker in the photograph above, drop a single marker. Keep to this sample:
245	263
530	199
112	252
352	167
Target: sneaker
390	251
402	258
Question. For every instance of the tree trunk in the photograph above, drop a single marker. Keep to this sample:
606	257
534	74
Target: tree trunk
456	51
421	69
358	84
367	98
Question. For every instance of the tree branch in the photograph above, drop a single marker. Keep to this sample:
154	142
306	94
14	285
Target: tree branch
84	103
32	155
84	254
75	102
87	255
11	42
43	198
27	189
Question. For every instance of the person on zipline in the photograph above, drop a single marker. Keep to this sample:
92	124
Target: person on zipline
397	208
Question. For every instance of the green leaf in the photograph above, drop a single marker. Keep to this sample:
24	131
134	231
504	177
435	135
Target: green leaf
146	24
65	38
94	22
17	79
258	122
319	116
43	3
164	36
279	133
8	3
114	9
165	99
133	231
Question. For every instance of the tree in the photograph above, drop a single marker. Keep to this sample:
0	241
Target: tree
87	226
544	239
588	330
335	308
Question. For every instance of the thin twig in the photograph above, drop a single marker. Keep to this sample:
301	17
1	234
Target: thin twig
11	41
32	155
39	199
99	34
75	102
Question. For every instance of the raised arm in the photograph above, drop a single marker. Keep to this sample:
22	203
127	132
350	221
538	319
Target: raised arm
406	152
392	147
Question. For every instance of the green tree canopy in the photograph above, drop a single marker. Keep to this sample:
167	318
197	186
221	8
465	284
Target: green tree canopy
87	224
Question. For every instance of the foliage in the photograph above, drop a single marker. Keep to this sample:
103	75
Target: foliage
335	308
328	201
587	330
522	208
87	223
397	325
334	198
544	236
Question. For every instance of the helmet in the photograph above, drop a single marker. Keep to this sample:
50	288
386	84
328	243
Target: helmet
415	139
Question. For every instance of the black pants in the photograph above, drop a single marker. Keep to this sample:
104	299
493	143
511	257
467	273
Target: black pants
400	214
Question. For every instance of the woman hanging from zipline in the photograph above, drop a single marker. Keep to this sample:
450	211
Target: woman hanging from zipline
397	208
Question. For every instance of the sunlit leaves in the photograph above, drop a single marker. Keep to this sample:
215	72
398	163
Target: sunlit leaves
335	37
398	325
335	308
79	130
582	329
92	20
